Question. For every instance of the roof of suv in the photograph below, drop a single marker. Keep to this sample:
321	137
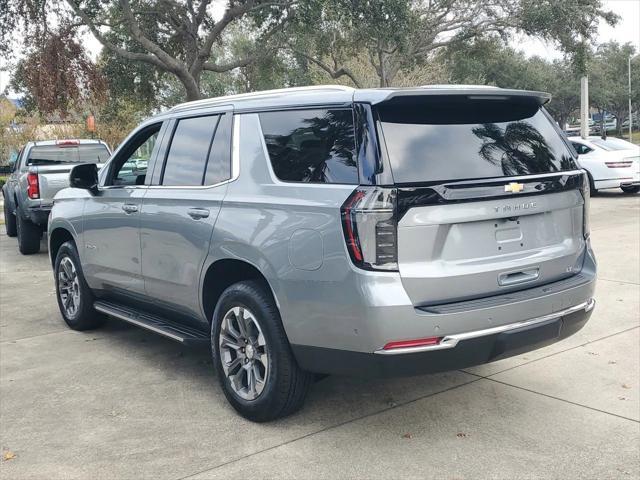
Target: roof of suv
338	94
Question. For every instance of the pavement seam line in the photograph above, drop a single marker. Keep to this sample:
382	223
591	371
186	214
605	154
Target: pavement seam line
561	399
7	342
554	353
332	427
618	281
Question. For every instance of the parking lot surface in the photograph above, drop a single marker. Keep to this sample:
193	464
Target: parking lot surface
123	403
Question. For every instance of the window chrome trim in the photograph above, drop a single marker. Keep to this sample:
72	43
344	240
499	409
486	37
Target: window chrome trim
450	341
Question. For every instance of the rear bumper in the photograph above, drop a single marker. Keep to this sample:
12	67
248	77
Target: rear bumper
38	215
618	178
453	352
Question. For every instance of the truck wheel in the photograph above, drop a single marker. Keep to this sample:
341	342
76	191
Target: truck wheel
9	221
631	189
592	185
29	235
256	368
75	298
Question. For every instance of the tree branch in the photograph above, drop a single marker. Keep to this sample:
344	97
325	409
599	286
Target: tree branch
333	72
133	56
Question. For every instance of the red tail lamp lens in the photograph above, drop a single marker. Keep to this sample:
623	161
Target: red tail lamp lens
33	185
67	143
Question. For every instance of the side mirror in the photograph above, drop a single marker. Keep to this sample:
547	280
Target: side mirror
84	176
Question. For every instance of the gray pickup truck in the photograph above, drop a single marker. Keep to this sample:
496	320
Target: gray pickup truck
40	171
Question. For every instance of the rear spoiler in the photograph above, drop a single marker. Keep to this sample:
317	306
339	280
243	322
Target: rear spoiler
378	96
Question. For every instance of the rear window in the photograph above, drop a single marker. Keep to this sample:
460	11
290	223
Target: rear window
314	146
457	139
54	154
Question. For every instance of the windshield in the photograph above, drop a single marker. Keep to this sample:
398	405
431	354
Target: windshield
613	144
456	139
54	154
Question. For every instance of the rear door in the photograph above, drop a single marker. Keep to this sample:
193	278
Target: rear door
489	197
181	208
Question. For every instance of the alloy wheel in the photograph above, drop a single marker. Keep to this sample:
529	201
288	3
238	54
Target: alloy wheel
69	287
243	353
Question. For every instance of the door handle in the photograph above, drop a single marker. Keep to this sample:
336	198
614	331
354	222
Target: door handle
198	213
129	208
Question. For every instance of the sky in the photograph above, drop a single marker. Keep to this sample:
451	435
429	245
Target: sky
627	30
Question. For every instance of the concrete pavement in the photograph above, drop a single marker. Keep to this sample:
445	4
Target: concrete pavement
123	403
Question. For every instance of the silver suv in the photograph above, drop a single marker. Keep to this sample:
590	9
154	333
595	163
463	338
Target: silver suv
327	230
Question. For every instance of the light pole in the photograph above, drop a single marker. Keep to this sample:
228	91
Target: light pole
630	116
584	106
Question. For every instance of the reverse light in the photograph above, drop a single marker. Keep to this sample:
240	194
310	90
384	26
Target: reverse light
418	342
370	228
33	185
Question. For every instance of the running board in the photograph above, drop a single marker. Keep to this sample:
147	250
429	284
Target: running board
173	330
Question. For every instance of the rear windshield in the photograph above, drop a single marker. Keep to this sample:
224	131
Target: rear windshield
457	139
55	154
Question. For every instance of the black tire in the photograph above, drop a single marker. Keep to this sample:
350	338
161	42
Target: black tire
29	235
631	189
9	221
592	186
285	385
85	317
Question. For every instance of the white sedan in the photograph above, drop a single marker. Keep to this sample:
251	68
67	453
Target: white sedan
611	163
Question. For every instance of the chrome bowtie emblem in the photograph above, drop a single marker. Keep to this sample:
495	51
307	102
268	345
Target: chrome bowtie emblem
514	187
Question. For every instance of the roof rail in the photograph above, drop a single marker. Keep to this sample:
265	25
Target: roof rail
264	93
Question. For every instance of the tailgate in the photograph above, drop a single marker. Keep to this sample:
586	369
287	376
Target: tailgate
457	251
52	179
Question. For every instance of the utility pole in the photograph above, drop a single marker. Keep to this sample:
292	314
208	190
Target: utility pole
584	106
630	116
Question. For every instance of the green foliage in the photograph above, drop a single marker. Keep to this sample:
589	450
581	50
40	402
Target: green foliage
489	62
608	84
3	180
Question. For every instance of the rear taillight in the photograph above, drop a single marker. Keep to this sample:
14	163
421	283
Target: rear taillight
370	228
586	195
33	186
621	164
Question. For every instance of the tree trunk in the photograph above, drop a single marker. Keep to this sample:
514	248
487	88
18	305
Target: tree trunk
191	85
192	91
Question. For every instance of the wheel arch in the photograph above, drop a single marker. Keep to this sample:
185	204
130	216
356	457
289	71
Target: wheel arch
57	236
223	273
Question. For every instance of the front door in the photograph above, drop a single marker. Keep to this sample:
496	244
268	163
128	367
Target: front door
180	209
111	253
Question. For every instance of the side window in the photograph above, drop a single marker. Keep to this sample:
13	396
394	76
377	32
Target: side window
219	164
190	146
130	168
580	148
315	146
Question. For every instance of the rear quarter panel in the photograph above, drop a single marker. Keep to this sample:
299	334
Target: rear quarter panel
292	233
